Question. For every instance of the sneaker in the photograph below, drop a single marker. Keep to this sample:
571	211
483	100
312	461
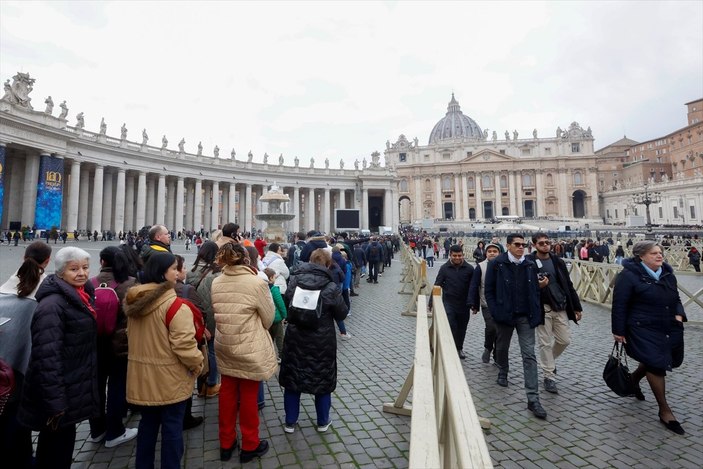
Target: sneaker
354	294
289	427
537	409
346	336
362	275
97	439
486	357
246	456
128	435
324	428
550	386
213	391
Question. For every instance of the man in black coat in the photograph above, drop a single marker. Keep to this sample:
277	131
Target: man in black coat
512	294
159	241
560	303
455	279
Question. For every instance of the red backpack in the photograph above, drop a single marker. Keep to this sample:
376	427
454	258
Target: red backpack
106	306
198	321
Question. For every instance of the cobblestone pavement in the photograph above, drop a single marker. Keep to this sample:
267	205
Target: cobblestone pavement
588	426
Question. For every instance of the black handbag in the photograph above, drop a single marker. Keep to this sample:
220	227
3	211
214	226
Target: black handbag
616	374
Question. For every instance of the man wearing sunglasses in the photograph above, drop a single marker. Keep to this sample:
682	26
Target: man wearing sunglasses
512	294
560	303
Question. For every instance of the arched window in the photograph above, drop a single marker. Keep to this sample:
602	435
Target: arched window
403	185
550	179
527	180
486	181
578	178
470	183
446	183
428	185
503	182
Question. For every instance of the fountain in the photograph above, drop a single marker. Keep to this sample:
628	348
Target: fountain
275	216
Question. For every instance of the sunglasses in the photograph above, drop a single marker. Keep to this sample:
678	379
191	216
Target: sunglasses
520	245
544	243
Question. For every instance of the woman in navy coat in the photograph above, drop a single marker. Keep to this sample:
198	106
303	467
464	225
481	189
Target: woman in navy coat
648	317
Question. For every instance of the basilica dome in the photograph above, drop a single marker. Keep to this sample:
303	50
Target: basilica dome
455	125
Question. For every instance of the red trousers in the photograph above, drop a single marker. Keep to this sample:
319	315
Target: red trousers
239	396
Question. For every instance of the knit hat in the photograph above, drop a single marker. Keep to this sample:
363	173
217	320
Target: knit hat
493	245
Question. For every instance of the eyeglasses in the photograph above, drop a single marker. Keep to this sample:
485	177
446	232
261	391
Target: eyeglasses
544	243
520	245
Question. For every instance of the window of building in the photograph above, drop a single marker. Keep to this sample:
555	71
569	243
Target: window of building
616	213
488	209
548	151
693	212
428	185
661	212
578	179
502	152
550	179
403	185
446	183
470	183
446	156
403	157
427	157
527	180
525	152
487	183
575	147
469	153
472	213
607	213
503	182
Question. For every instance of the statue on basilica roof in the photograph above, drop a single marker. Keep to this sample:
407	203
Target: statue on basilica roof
250	157
266	158
312	162
49	105
280	160
341	163
103	127
296	161
559	132
515	134
123	131
327	163
64	110
356	164
375	159
145	137
80	120
534	133
200	148
364	163
181	145
495	136
233	154
164	142
507	135
416	142
216	151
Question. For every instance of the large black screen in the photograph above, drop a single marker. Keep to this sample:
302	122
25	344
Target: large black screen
347	219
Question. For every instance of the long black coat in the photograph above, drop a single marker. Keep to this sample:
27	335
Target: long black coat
309	358
643	312
62	374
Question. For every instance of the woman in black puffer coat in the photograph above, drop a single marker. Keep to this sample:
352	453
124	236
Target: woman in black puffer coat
61	384
309	358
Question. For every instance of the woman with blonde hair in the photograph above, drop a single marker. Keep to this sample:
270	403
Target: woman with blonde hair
245	353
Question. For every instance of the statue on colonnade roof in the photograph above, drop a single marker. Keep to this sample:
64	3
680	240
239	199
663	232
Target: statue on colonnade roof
49	105
18	92
145	137
64	110
80	120
123	131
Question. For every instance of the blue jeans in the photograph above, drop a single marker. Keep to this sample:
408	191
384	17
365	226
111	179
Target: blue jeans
526	338
170	419
212	362
291	405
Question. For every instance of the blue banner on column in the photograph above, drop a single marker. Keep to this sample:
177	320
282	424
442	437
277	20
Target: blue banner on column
2	178
49	193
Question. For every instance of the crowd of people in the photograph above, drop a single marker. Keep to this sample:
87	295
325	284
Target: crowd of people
147	331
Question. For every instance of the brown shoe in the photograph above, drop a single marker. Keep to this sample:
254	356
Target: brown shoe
213	391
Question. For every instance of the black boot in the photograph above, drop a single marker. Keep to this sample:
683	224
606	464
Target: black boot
246	456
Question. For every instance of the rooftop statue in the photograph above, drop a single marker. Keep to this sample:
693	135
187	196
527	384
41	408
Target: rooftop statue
485	134
216	151
507	135
280	160
266	158
364	163
296	161
388	144
64	110
18	92
558	132
103	126
416	142
327	163
534	133
341	163
181	145
515	134
356	164
145	137
312	162
49	105
233	154
164	142
250	157
80	120
495	136
123	132
200	148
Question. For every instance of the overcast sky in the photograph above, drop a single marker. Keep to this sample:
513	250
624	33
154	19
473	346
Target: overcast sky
336	80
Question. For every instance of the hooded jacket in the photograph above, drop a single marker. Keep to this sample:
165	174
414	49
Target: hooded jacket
152	247
274	261
644	311
244	312
62	375
163	361
309	358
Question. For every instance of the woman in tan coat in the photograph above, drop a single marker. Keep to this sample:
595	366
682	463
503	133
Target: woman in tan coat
244	312
163	361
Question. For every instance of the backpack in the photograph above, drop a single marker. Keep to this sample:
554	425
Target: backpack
106	306
198	321
373	252
296	255
305	308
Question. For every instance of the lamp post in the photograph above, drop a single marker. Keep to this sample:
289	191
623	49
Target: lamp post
647	198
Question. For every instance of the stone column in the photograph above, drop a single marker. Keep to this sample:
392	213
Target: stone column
29	194
107	200
296	209
465	196
198	205
310	211
97	200
438	213
215	205
419	214
129	203
84	199
458	206
161	202
479	196
342	199
564	209
518	193
224	207
207	207
190	207
365	209
140	220
232	205
325	212
247	208
170	205
498	210
180	196
592	194
150	201
118	225
73	195
511	192
539	193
